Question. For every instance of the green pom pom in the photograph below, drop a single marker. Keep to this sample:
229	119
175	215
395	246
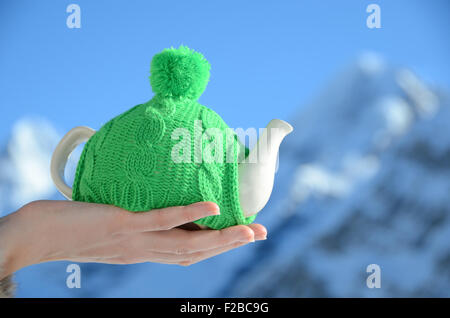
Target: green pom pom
179	72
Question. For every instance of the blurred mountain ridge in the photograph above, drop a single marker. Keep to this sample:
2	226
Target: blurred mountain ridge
367	170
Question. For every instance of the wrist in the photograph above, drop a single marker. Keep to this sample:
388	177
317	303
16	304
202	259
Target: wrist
7	247
18	243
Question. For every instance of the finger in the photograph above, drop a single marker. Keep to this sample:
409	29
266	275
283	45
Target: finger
160	257
200	256
138	244
259	230
168	218
180	242
260	234
184	259
136	252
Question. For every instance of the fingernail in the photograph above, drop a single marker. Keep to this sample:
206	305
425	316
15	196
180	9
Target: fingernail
260	234
247	240
210	208
216	210
263	234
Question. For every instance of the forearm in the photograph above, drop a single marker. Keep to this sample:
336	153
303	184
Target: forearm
6	284
19	245
12	255
6	248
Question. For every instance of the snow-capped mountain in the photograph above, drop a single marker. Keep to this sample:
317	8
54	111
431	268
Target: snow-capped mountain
367	170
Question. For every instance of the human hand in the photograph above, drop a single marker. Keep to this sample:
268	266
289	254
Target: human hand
44	231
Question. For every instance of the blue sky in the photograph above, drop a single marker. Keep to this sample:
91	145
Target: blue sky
268	57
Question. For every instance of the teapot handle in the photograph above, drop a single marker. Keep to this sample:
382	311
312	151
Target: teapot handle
62	152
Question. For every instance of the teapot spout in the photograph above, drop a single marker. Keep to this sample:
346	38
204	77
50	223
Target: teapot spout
257	171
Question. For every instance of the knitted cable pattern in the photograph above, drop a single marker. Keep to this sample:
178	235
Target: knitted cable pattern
129	162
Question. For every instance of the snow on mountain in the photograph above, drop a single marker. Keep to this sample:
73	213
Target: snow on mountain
367	170
25	164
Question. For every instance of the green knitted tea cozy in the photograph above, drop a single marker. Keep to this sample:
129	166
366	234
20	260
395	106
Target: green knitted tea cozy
168	151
